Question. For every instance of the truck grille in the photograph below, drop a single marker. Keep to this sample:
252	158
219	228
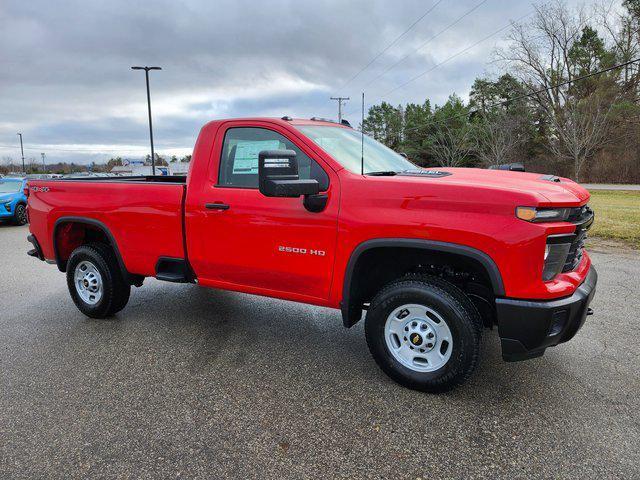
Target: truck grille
583	218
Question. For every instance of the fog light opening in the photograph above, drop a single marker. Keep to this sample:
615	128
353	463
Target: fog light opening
559	321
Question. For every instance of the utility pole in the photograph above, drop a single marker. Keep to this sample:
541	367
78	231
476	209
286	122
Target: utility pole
44	165
146	73
340	101
362	139
22	151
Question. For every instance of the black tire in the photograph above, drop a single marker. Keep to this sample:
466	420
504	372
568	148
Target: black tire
460	315
20	215
116	290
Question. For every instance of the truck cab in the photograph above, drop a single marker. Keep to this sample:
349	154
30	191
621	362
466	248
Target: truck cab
316	212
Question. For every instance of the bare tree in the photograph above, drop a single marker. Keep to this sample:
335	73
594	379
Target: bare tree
542	54
623	30
539	52
580	131
451	146
497	138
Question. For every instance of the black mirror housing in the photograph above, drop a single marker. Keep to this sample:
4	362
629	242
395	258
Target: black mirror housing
278	175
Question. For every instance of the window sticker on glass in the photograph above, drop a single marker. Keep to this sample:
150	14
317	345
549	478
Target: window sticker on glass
245	161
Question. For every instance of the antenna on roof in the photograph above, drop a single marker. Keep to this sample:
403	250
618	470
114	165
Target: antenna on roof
362	138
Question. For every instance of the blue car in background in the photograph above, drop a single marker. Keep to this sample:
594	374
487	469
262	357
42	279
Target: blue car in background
13	201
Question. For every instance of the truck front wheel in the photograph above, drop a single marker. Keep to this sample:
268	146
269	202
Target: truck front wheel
424	333
95	281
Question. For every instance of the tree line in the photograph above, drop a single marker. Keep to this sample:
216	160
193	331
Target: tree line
8	165
546	108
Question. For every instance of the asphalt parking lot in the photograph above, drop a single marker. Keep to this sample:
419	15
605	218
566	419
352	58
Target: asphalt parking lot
194	383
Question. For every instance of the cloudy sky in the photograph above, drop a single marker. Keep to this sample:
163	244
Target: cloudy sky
66	82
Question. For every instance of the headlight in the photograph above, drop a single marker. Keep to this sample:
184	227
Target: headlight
532	214
555	255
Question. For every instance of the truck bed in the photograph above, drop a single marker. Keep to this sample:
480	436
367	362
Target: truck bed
133	210
176	179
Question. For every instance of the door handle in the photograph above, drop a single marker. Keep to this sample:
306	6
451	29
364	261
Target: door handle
216	206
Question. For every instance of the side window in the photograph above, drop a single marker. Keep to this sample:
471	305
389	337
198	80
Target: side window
239	161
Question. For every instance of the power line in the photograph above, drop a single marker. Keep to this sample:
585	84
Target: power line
382	52
566	82
413	79
456	21
536	92
451	57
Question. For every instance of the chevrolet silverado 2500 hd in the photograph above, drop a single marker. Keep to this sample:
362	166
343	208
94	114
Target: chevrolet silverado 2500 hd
310	211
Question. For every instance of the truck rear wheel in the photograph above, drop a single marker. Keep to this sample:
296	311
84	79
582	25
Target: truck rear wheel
95	281
424	333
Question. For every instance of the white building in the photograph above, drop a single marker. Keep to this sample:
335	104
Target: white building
138	168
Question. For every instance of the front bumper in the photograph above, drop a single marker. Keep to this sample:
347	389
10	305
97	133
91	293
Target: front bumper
528	327
4	214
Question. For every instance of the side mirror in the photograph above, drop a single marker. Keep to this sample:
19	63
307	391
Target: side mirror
278	175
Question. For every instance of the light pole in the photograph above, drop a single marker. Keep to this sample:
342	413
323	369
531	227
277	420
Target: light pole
44	165
146	74
22	151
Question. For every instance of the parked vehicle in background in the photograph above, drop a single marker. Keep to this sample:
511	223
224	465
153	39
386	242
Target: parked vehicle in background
314	212
13	201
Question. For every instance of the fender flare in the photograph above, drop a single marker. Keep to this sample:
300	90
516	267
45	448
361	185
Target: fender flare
350	315
94	223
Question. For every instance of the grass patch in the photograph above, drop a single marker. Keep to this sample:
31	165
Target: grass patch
617	216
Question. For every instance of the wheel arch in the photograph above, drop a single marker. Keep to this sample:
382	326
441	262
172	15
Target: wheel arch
62	251
352	298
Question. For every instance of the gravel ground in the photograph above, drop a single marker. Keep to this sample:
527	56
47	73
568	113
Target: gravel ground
194	383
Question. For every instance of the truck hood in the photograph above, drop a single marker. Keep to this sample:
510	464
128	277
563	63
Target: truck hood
556	190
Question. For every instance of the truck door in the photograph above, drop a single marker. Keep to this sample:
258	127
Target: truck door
239	239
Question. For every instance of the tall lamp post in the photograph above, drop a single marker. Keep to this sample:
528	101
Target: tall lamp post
22	151
146	74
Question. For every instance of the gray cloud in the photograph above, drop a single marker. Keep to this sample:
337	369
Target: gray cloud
66	82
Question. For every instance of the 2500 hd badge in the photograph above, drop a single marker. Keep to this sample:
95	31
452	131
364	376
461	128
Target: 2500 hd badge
301	251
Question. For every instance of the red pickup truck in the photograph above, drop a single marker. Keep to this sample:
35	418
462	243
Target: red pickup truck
315	212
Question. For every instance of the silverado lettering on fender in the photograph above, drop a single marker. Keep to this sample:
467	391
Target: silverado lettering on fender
281	208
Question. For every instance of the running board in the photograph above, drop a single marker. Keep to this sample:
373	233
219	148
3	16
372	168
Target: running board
175	270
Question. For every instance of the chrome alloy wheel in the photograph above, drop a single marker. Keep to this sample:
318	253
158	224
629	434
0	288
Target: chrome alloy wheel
88	282
418	338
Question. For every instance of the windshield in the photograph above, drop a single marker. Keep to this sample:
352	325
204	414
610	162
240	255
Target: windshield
344	144
10	186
